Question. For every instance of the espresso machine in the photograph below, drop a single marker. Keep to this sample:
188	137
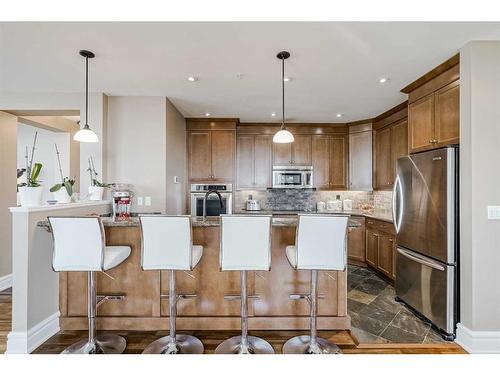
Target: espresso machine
121	194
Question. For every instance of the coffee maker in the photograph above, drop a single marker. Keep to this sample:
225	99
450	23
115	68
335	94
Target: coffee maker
121	194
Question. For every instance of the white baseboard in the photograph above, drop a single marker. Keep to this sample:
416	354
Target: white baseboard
26	342
5	282
478	341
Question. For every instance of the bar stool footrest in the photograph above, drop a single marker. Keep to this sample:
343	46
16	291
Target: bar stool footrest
234	297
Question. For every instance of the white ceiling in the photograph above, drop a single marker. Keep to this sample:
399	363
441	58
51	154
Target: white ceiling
334	66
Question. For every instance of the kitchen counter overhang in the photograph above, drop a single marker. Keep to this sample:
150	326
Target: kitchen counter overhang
144	308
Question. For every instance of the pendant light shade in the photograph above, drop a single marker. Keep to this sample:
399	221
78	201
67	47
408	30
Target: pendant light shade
86	134
283	135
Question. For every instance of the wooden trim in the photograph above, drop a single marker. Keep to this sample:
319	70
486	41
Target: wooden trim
211	323
429	76
296	128
391	116
360	122
211	124
437	83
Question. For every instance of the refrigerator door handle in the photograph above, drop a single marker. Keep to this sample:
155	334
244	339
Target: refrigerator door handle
395	200
421	260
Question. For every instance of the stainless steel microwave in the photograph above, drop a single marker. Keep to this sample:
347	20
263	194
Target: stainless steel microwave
290	177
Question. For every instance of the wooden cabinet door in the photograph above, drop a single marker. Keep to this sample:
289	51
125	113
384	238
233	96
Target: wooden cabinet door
263	161
399	142
386	254
199	155
383	159
371	248
223	145
301	150
421	123
282	153
360	161
338	162
356	243
321	161
245	157
447	102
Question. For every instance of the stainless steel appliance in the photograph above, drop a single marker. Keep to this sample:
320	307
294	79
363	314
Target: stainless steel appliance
213	207
122	201
287	177
425	211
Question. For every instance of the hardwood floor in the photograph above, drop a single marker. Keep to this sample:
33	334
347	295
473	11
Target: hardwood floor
137	340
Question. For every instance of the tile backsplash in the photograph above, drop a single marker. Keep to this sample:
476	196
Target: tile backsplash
305	199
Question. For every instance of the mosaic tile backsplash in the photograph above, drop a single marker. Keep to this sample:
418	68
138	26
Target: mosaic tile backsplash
305	199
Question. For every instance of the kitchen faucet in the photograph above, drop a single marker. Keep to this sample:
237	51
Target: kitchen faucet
205	201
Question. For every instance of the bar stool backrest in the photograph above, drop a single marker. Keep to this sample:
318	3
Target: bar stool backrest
166	242
78	243
245	243
321	242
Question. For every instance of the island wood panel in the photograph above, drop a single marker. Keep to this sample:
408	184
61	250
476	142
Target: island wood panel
207	281
275	287
199	150
141	288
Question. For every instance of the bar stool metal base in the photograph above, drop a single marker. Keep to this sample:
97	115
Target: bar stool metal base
302	345
103	344
184	344
255	345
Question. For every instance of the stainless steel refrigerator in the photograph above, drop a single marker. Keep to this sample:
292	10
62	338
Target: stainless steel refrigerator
425	210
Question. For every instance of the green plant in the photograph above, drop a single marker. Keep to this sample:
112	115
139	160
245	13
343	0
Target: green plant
32	170
93	175
65	181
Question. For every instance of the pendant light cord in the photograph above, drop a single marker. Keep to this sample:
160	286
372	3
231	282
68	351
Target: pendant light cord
86	90
282	93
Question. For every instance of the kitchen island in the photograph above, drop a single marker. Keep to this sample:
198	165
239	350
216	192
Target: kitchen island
143	307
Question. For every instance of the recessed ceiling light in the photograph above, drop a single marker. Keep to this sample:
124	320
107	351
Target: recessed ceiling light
339	115
383	80
239	76
207	114
287	79
273	114
192	79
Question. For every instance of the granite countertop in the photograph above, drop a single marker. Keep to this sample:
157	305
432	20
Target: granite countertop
280	218
383	215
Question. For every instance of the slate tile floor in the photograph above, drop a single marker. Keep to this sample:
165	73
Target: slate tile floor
376	317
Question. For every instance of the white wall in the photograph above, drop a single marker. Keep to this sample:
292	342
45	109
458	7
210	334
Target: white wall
136	147
479	330
44	153
29	103
176	161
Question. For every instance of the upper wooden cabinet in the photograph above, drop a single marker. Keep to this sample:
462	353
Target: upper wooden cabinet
433	109
211	150
390	141
329	161
253	161
296	153
360	156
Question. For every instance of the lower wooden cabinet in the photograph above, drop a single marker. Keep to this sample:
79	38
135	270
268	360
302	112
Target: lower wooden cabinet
381	247
356	240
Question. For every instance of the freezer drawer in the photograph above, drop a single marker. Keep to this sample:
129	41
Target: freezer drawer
427	286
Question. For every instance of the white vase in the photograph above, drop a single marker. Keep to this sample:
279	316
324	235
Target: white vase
30	196
96	193
62	196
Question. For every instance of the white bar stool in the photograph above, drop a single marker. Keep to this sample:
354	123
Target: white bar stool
167	245
245	246
80	245
320	245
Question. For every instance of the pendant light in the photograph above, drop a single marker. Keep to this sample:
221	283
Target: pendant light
283	135
86	134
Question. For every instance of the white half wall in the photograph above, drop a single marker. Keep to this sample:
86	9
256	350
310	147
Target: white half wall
479	328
